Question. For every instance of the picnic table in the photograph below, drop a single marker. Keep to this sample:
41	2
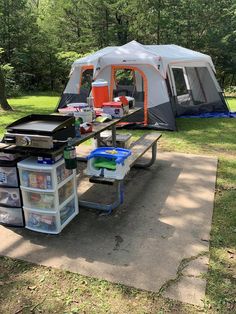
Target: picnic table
138	149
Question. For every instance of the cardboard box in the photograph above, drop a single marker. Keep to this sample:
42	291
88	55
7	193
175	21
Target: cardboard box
115	109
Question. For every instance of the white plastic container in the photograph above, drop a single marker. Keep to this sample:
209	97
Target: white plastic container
85	116
11	216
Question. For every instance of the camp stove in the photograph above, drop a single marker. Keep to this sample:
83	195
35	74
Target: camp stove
40	131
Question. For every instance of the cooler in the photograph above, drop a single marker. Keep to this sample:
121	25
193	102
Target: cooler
100	92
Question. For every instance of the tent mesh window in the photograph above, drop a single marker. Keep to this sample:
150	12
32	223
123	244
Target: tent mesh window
182	92
124	82
86	81
181	88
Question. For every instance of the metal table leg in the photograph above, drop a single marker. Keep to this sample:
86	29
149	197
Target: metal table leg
113	129
151	162
107	207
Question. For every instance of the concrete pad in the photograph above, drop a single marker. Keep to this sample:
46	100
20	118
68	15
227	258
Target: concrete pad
188	290
196	267
190	286
166	218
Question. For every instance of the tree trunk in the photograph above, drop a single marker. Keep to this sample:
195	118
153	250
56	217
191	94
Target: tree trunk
3	100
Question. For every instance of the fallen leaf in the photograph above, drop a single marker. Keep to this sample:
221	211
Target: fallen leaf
32	287
42	279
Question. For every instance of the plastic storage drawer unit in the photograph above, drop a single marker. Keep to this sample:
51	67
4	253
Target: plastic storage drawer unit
51	202
11	213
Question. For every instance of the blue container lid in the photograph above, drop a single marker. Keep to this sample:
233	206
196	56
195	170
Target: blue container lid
116	153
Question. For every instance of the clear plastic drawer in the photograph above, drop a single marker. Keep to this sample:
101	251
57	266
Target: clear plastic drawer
8	176
11	216
67	211
38	200
41	222
10	196
66	191
63	173
37	179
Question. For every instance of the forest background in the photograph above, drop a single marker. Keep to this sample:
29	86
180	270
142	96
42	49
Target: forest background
39	39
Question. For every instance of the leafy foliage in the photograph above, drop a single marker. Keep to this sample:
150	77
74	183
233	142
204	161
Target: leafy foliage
41	38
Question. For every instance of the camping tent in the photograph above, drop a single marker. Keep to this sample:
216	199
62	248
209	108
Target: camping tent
166	81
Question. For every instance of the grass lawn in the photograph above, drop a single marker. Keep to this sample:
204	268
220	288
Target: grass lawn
28	288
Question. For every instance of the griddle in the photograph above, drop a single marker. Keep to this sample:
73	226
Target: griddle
40	131
41	124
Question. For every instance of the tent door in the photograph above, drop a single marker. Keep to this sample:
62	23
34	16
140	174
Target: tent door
130	81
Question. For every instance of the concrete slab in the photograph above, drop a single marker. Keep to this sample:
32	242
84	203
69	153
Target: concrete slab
188	290
166	218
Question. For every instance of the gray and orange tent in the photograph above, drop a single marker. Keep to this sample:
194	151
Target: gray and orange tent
166	81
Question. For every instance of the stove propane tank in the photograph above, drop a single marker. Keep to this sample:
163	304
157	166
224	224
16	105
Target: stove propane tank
70	155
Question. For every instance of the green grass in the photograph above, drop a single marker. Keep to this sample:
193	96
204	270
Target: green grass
27	105
232	103
36	289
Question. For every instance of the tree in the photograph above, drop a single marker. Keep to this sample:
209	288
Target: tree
3	100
